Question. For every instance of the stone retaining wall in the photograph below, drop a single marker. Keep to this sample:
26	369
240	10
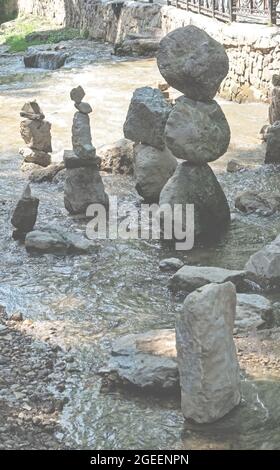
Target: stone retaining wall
254	50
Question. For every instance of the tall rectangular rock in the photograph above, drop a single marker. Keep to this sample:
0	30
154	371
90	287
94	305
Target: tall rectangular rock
207	360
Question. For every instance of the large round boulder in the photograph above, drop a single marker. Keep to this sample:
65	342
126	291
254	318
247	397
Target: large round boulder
193	62
196	131
197	185
152	169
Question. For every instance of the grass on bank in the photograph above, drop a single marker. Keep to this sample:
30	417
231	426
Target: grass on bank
24	32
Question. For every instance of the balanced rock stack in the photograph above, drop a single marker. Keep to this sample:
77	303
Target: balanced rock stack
36	133
154	164
83	184
25	214
196	129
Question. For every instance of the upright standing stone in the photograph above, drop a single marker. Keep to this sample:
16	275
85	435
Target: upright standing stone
274	108
272	154
207	360
25	214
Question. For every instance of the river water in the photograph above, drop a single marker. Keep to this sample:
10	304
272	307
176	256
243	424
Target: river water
92	299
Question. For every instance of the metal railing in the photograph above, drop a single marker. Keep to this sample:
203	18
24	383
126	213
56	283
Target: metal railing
254	11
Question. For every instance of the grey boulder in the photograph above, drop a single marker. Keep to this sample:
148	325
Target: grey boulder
83	186
264	203
272	154
117	158
146	117
50	60
265	263
198	186
152	169
189	278
170	264
206	354
253	311
52	241
196	131
145	360
193	62
37	134
35	156
25	213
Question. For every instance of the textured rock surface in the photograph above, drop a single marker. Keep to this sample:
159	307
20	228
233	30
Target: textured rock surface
25	213
206	354
146	117
265	263
84	108
170	264
37	134
117	158
50	60
233	166
77	94
35	156
41	175
198	185
57	242
152	169
252	311
193	62
197	132
72	161
274	108
145	360
265	203
273	144
83	186
31	110
81	136
189	278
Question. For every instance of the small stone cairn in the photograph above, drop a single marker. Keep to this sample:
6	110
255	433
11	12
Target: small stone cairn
196	129
83	184
36	133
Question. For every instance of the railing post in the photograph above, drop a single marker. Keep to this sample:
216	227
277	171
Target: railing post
272	11
232	10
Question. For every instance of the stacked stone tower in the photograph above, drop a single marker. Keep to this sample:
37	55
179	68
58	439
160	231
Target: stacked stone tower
83	184
196	130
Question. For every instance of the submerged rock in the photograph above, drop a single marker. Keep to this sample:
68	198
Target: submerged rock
265	263
146	360
83	186
146	117
197	132
57	242
50	60
197	185
192	62
189	278
25	214
265	203
206	354
152	169
117	158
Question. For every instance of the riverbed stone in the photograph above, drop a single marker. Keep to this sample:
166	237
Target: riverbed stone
264	203
234	166
37	134
272	154
206	354
145	360
265	263
81	136
152	169
117	158
253	311
84	108
146	118
197	185
31	110
189	278
196	131
83	186
42	175
171	264
35	156
25	213
77	94
193	62
49	60
57	242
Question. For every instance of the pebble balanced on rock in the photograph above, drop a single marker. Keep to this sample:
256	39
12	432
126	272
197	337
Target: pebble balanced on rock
154	164
25	214
36	133
196	129
83	184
